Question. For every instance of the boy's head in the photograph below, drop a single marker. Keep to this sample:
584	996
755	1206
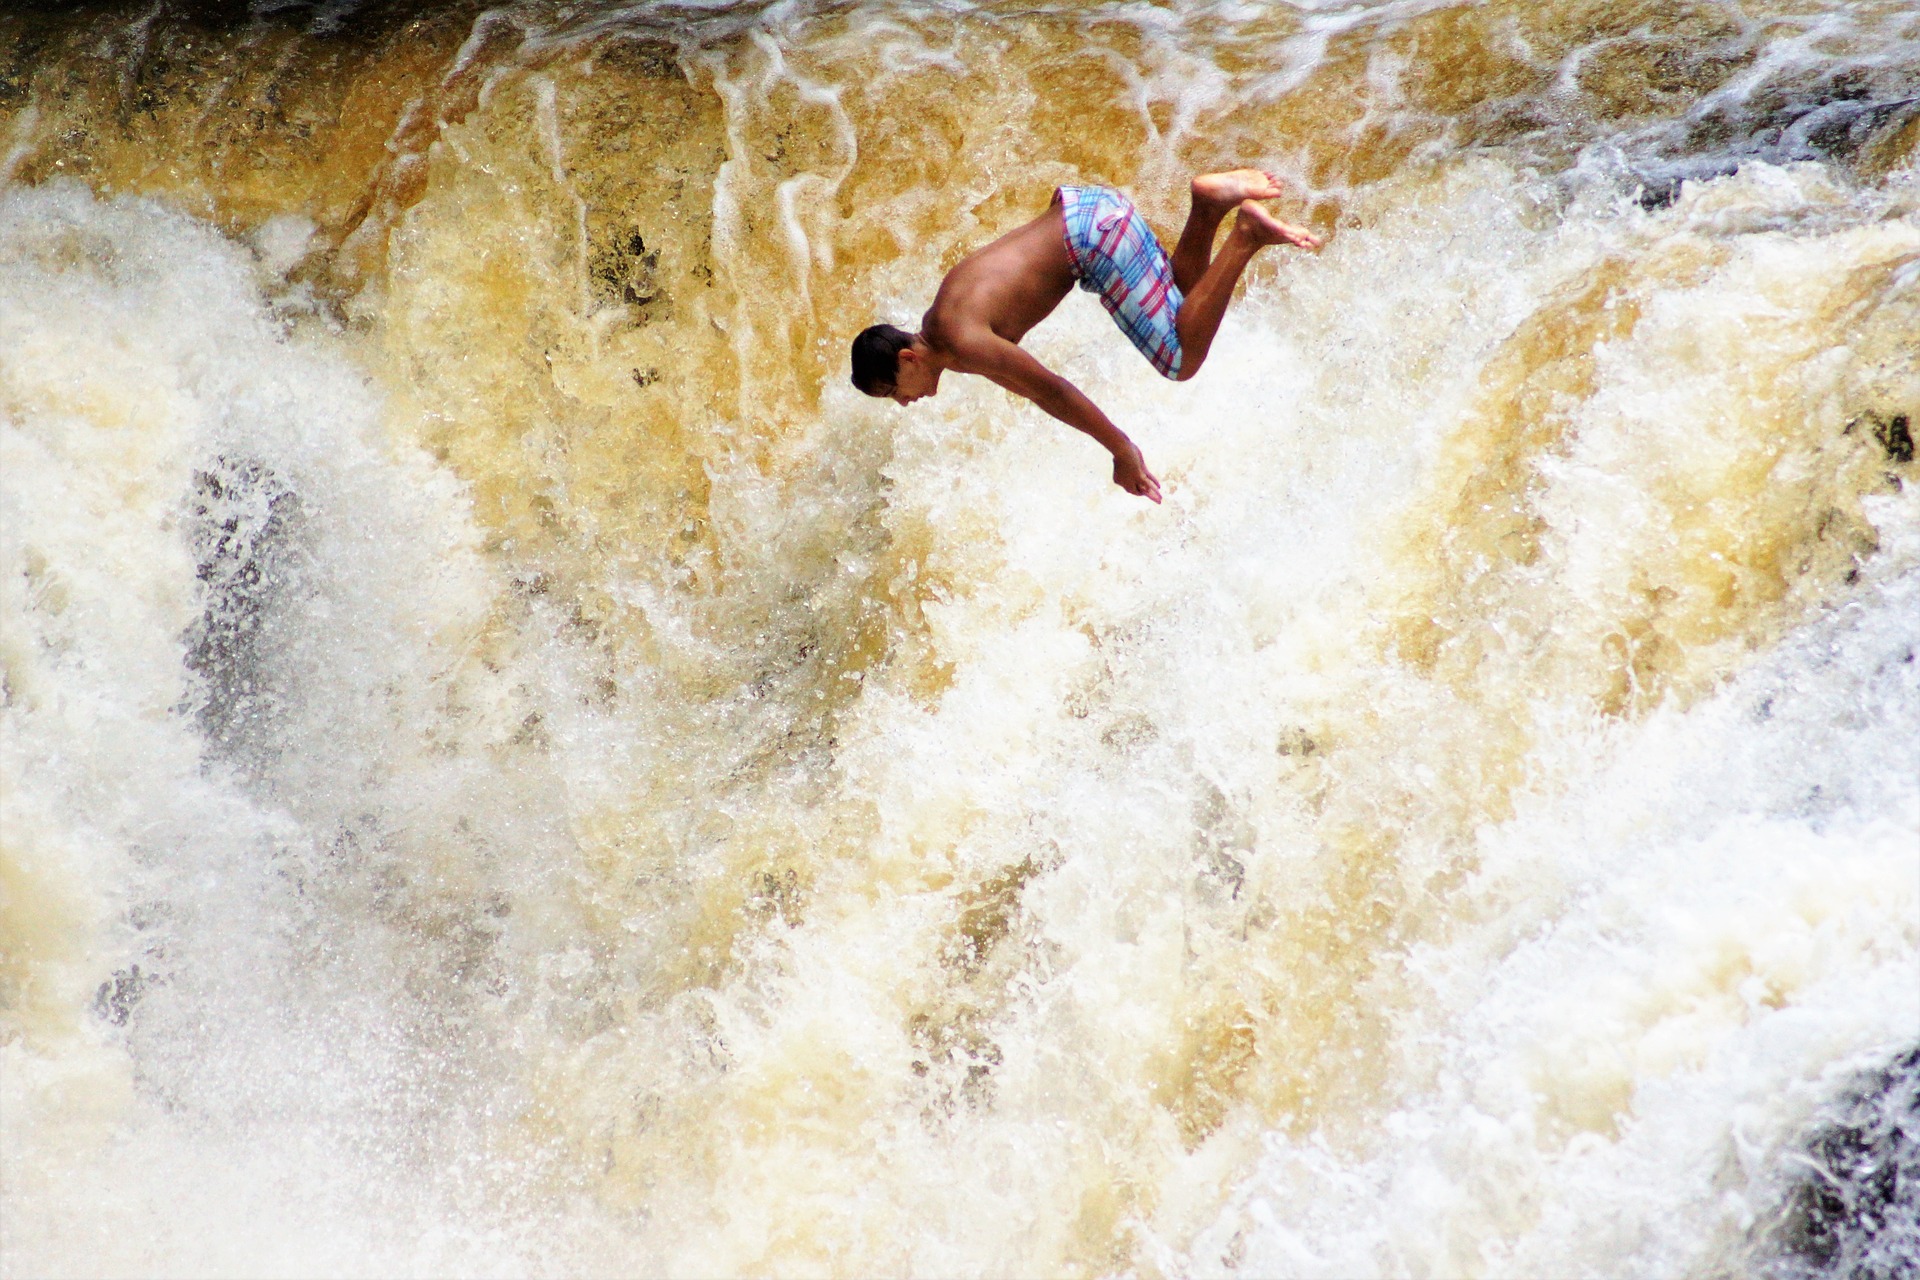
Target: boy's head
890	362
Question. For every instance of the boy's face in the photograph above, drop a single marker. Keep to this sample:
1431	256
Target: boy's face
913	378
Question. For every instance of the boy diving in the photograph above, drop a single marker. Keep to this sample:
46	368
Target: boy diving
1169	307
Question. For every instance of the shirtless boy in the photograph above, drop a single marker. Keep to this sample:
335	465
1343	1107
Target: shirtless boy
1093	236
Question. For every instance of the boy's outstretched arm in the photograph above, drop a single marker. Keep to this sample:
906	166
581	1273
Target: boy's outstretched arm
986	353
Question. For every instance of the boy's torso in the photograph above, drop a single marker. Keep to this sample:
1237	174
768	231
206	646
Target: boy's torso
1009	286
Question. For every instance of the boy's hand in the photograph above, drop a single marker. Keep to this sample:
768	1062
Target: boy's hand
1130	473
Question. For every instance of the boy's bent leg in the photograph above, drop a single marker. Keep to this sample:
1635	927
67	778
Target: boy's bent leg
1214	196
1195	250
1206	303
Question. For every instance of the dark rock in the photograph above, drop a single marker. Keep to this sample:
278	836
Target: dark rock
1895	437
624	270
1837	119
1894	434
1853	1210
241	521
116	997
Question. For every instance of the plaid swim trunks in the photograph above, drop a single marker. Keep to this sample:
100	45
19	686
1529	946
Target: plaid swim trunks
1116	256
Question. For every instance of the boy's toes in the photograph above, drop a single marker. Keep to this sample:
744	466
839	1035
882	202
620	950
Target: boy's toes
1268	229
1227	189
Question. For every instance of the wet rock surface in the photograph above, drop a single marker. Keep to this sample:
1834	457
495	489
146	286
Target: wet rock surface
1854	1211
242	517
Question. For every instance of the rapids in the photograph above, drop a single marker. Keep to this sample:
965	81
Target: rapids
512	766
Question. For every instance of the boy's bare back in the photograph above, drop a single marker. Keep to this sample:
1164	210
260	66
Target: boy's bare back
1007	287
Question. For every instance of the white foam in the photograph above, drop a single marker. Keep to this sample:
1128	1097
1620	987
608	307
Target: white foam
427	998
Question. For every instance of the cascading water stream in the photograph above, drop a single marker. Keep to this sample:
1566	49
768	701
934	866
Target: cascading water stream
510	765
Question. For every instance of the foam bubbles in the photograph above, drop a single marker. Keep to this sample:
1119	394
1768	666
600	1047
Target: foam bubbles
511	767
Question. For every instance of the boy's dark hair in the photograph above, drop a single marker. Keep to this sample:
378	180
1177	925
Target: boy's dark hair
876	357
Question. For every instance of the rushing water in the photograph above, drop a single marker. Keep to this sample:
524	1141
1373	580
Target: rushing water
512	765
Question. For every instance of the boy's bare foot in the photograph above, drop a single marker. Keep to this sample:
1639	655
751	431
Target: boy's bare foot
1267	229
1224	190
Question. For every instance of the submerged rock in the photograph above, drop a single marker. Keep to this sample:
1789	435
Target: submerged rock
1862	123
1854	1211
241	521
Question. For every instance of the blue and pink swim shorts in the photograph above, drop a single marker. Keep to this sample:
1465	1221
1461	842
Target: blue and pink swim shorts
1115	255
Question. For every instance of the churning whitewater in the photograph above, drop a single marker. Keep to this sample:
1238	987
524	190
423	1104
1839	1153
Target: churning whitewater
512	766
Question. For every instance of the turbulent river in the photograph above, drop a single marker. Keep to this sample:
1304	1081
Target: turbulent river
513	766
